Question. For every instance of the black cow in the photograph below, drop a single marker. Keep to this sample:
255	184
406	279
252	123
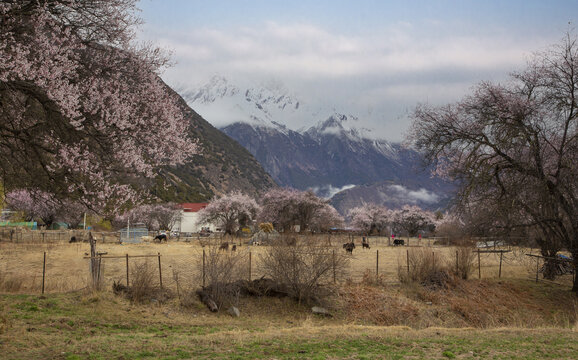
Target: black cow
364	244
234	247
161	238
72	239
397	242
349	247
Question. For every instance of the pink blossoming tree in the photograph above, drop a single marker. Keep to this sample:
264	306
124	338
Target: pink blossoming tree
286	207
231	211
371	219
83	113
413	219
153	216
41	205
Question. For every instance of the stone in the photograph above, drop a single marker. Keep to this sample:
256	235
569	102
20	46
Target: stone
320	311
234	312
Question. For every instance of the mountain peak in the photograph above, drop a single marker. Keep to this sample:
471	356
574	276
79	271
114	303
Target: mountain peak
224	101
218	87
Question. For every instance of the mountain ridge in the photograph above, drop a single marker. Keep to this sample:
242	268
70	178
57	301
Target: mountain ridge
333	154
222	166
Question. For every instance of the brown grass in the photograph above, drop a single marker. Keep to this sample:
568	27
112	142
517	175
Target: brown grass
479	304
67	269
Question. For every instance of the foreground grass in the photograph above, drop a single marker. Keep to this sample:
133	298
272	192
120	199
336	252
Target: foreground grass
103	326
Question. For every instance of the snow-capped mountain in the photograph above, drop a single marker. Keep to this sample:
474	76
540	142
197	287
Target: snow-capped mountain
331	154
260	104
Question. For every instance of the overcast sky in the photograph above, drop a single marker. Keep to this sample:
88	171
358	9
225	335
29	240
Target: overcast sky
375	59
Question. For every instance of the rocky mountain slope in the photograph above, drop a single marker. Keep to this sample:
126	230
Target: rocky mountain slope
223	166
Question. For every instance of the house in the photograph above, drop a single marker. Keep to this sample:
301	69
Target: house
187	223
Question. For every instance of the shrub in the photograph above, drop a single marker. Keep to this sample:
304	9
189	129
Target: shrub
11	284
302	270
463	263
144	285
425	268
221	269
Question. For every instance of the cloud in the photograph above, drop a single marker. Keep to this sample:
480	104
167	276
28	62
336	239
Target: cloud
307	50
379	75
327	191
413	196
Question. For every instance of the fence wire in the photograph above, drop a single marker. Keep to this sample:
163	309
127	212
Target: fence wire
30	261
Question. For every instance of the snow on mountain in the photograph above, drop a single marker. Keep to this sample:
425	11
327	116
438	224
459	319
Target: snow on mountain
223	102
331	154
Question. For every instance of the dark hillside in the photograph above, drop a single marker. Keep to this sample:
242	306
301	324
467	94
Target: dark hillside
223	166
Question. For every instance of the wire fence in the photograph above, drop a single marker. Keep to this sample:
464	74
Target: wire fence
45	261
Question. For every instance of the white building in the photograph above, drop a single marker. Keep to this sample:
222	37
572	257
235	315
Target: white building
188	218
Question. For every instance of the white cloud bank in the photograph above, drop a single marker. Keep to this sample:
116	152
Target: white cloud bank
379	76
414	196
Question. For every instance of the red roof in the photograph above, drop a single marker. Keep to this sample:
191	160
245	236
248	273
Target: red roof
193	207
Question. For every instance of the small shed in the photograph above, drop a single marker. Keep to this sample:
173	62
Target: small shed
133	234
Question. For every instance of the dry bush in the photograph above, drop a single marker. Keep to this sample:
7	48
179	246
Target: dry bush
463	263
371	304
425	268
221	269
302	270
11	284
144	285
371	279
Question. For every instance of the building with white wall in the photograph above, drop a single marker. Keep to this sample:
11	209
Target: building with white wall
189	217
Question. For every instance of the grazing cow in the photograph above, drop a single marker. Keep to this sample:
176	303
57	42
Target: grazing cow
234	247
397	242
160	238
224	246
349	247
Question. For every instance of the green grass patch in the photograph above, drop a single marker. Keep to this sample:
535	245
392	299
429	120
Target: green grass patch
102	326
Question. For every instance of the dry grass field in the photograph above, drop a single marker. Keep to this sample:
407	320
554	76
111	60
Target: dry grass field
374	316
67	265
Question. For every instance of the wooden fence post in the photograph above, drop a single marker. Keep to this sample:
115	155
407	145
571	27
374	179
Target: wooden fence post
407	252
377	267
457	265
249	266
479	266
160	270
126	270
204	275
43	272
500	271
94	262
537	267
334	275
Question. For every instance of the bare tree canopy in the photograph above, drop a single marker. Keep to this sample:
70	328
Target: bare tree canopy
514	146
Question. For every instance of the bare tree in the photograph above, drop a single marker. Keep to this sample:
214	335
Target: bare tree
515	146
